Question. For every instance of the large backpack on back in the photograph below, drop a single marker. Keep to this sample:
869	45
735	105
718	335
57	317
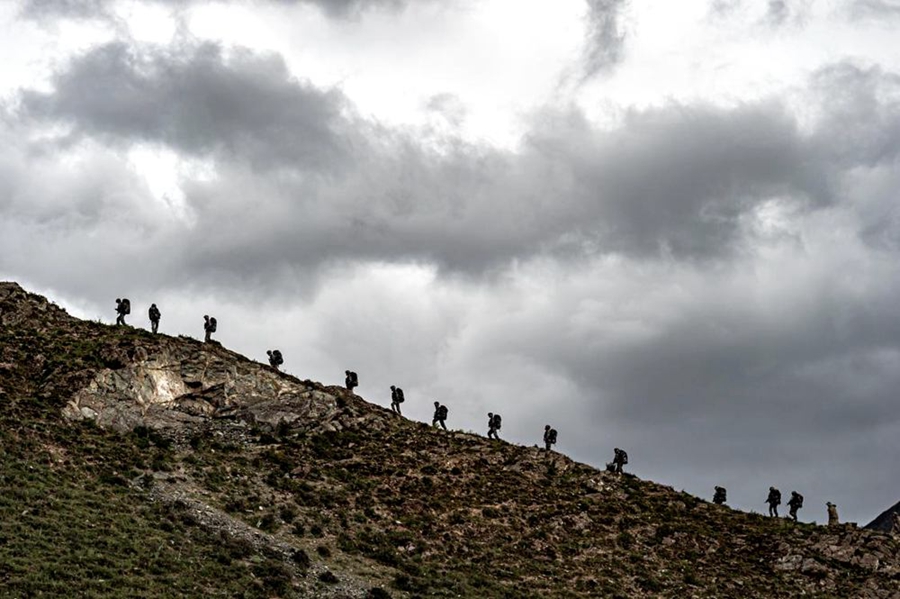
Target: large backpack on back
400	397
552	436
442	412
799	501
496	421
212	325
276	357
623	456
126	306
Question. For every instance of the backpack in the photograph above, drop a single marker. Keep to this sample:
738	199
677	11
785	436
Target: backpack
126	306
623	456
276	357
551	437
798	499
154	313
495	421
212	325
400	397
442	412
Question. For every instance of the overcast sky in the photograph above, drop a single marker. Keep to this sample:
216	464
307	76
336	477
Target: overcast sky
671	227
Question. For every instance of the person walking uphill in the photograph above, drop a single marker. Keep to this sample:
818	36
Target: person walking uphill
494	422
275	358
795	503
351	380
720	496
123	309
154	318
209	326
549	436
396	399
620	458
774	500
440	415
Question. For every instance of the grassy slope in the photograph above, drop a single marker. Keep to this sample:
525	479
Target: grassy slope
419	511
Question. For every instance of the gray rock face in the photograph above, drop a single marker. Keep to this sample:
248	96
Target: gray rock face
184	383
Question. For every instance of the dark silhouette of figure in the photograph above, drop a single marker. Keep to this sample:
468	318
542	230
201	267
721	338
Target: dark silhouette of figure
154	318
123	309
275	358
549	436
351	380
720	496
494	422
620	458
795	503
396	399
833	519
209	326
440	415
774	500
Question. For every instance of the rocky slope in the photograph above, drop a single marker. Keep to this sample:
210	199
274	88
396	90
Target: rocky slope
140	465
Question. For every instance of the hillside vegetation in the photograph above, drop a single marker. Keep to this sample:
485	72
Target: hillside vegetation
134	465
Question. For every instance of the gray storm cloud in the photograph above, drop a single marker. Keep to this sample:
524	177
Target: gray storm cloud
246	108
326	184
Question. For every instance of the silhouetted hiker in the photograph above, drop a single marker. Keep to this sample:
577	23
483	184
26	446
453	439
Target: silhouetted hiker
440	415
351	380
549	436
832	514
154	318
209	325
275	358
795	504
774	500
123	308
396	398
494	422
620	458
720	496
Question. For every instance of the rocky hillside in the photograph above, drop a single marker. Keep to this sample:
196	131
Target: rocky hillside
140	465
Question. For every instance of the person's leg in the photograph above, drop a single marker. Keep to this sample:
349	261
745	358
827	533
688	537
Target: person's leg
443	425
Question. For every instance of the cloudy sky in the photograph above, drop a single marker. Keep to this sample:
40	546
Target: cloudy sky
671	227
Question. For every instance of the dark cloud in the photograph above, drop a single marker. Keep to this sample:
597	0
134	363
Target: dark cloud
198	102
671	181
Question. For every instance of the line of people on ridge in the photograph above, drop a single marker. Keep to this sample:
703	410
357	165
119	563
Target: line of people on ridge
774	500
123	309
441	412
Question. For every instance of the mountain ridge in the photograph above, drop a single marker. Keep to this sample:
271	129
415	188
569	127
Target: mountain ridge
276	486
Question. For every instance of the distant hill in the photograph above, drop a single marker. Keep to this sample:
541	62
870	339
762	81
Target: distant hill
134	464
885	520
